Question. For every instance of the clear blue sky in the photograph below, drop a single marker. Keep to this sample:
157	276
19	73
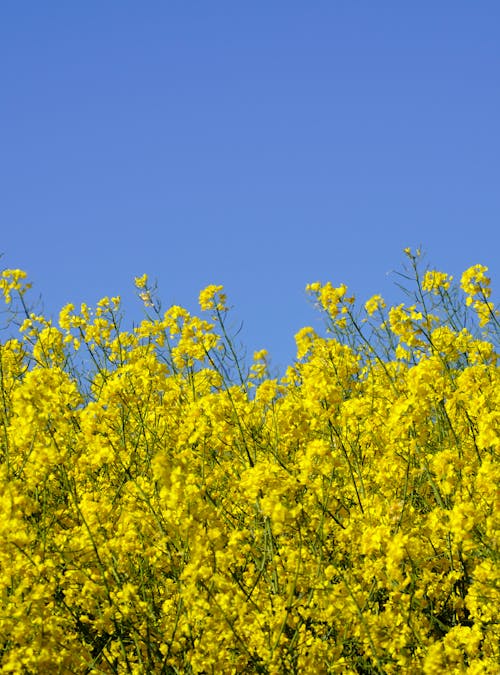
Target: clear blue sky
259	145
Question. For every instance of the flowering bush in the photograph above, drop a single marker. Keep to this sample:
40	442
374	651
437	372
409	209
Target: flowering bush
165	510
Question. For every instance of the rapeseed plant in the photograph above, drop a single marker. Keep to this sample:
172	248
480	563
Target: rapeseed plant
165	509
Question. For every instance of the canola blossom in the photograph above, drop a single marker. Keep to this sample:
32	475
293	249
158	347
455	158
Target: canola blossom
165	508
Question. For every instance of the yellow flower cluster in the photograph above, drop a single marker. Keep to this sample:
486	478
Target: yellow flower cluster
12	280
165	509
212	297
435	281
374	303
476	284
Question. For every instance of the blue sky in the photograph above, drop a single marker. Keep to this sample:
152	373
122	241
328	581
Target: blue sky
258	145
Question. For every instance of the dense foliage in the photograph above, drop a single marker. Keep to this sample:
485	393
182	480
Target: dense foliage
164	510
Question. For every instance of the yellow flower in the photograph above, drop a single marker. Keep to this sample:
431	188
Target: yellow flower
211	297
434	281
141	282
304	340
10	280
374	303
474	281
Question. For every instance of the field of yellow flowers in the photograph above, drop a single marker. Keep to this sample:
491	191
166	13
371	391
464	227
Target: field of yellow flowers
163	509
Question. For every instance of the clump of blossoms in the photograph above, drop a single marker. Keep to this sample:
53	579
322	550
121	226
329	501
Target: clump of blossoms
165	507
476	284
